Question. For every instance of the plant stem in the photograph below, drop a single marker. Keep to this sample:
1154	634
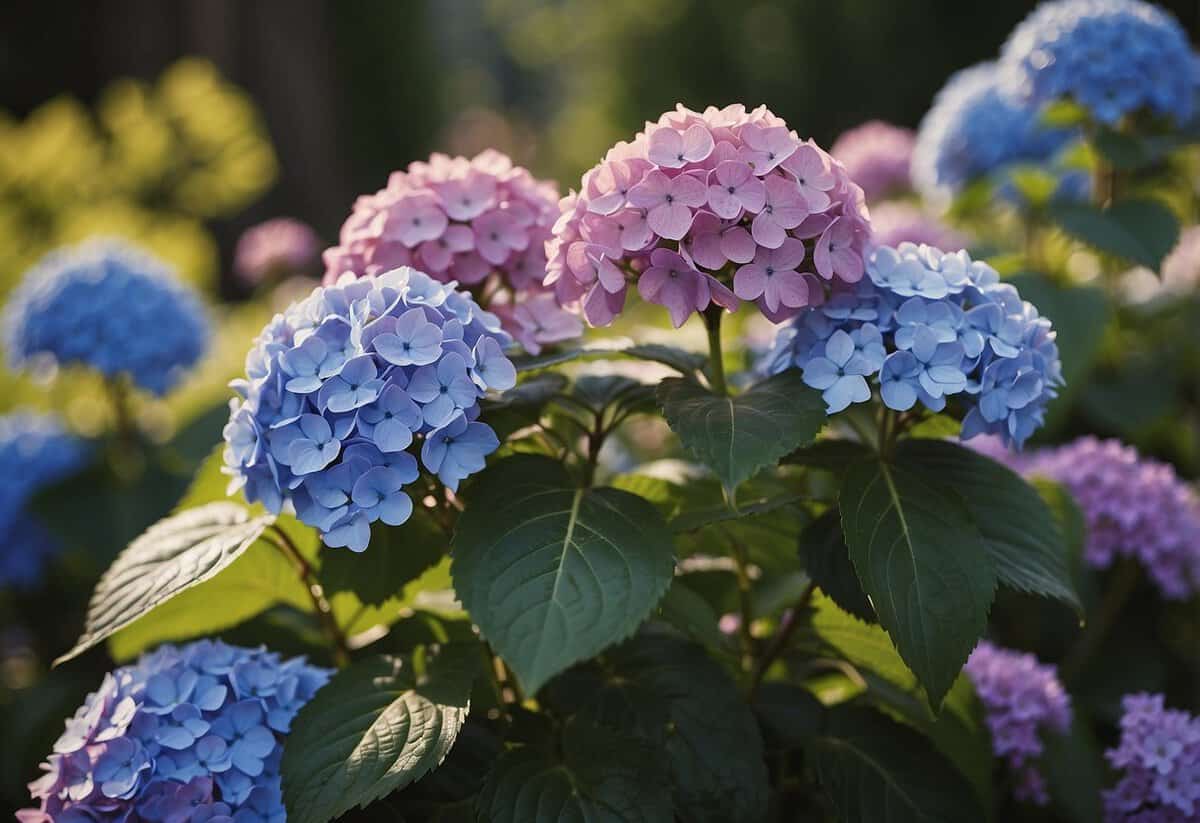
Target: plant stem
1125	580
745	602
712	322
595	442
787	627
333	633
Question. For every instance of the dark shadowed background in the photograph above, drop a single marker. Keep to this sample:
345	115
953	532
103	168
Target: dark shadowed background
353	90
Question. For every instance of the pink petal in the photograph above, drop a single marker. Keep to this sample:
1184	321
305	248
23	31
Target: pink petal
689	190
635	231
434	256
611	278
706	250
767	232
670	221
791	288
749	281
458	238
666	148
738	245
721	295
789	255
470	269
601	307
697	143
723	203
652	191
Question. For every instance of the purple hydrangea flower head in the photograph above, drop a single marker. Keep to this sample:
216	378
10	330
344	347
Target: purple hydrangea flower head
277	248
877	156
1158	759
191	733
896	222
482	223
974	131
708	209
1134	507
931	326
1023	700
346	388
110	307
37	451
1114	57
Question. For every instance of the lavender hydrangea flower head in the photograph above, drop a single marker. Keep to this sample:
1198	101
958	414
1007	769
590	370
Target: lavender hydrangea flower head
896	222
1114	57
36	451
482	223
1158	758
928	326
1134	507
1023	700
277	248
346	387
708	209
110	307
188	733
974	131
877	156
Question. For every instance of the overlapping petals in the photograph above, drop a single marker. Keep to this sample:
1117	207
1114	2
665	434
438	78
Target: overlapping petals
931	326
482	223
110	307
700	202
1158	760
186	734
345	389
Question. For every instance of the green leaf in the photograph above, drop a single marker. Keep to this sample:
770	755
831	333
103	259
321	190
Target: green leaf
521	405
594	348
173	555
685	362
696	519
1075	772
878	771
375	727
1064	114
599	777
827	561
790	715
833	454
670	694
397	555
738	436
936	427
692	615
551	574
1036	185
1142	231
923	563
1020	532
1132	152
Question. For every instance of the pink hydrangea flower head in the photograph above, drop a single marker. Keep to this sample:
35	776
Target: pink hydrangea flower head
877	156
708	207
277	248
480	222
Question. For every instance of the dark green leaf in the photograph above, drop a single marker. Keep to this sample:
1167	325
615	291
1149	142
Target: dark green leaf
923	563
738	436
691	614
600	777
695	519
790	715
1075	772
396	556
1020	532
376	727
670	694
594	348
1131	152
173	555
1140	230
686	362
878	771
833	455
551	574
521	405
827	561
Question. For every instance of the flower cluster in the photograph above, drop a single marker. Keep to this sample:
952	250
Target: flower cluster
701	202
279	247
1114	57
35	451
897	221
185	734
1158	757
931	325
877	156
110	307
1134	507
974	131
482	223
341	385
1022	699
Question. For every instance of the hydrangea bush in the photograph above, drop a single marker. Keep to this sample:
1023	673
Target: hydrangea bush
600	579
482	223
108	307
704	209
345	389
189	733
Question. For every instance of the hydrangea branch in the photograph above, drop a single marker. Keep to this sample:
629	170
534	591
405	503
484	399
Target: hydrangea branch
716	369
338	644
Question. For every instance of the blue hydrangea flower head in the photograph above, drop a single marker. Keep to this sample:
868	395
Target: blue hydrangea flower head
1114	57
930	326
35	451
186	733
974	131
347	388
110	307
1158	760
